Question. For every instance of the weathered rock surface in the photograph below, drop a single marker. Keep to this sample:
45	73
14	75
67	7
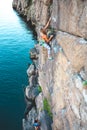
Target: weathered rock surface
33	53
34	96
75	49
70	16
31	70
61	82
27	123
61	78
43	116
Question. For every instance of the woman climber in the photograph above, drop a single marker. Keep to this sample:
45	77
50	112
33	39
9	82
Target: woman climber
44	38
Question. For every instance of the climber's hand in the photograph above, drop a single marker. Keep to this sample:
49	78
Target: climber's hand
51	36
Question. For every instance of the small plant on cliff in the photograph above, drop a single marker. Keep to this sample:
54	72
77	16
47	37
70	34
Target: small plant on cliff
29	2
47	107
85	84
39	89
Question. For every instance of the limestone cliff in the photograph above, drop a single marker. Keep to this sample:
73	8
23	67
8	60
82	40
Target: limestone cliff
61	79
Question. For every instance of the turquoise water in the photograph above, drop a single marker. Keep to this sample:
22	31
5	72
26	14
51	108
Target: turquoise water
16	39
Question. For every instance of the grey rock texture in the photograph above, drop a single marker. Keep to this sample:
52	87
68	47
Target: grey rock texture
70	16
33	53
61	79
31	70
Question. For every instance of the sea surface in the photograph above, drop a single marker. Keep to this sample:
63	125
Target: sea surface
16	39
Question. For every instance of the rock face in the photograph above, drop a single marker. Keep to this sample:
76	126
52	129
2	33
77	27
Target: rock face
60	79
71	16
67	15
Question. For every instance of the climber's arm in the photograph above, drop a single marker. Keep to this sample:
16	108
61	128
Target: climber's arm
48	39
46	26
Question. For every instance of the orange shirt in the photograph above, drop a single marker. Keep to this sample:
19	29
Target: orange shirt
45	38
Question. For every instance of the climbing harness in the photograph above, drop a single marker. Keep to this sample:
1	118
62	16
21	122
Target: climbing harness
41	42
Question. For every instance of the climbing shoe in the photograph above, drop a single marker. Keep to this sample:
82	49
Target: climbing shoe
50	58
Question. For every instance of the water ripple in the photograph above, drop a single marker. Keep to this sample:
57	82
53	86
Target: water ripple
15	42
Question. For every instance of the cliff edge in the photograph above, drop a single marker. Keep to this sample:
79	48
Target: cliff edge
61	80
